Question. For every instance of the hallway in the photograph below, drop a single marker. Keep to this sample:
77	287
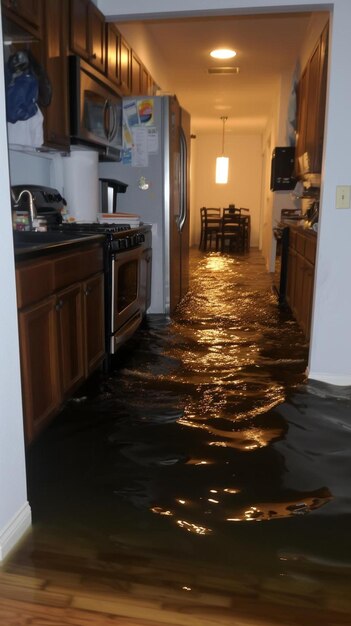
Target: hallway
201	483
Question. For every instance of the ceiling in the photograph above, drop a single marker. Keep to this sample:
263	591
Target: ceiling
266	46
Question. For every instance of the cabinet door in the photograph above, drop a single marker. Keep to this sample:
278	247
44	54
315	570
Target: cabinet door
70	320
97	38
312	108
94	326
39	365
79	20
28	12
322	100
307	297
125	68
56	115
113	54
290	284
299	291
144	81
301	121
136	75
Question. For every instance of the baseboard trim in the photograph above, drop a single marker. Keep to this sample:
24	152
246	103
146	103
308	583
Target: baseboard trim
15	530
330	379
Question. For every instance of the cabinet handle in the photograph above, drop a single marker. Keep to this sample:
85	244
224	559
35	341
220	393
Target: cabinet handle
93	56
59	305
87	291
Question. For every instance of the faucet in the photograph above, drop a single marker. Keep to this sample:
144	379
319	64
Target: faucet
32	210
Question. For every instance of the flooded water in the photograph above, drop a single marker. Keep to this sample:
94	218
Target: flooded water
206	444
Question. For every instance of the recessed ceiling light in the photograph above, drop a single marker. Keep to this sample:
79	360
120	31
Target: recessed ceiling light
223	53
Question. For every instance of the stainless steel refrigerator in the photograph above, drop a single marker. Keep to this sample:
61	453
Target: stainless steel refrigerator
155	167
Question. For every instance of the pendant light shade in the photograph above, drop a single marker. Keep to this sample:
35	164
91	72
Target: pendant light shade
222	166
222	162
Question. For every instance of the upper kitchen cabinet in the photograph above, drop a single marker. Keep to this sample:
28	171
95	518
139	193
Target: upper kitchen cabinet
87	33
311	110
113	54
145	82
55	36
125	68
97	38
25	13
136	73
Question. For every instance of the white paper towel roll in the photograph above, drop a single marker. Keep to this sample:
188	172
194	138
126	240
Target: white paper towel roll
81	184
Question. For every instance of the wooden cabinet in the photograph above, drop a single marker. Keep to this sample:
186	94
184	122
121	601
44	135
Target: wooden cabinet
136	75
145	81
26	13
61	329
70	337
97	38
300	279
41	393
113	55
125	68
311	97
87	32
79	37
56	115
93	316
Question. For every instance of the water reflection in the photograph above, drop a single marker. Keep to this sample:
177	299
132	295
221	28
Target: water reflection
205	428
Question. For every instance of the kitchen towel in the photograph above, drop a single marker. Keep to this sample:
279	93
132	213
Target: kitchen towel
27	132
81	185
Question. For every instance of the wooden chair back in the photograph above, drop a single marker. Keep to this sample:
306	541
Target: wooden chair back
210	223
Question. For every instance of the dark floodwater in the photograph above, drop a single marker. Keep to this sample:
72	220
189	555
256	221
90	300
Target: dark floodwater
207	440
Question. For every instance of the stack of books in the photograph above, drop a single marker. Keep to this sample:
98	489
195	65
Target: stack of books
119	218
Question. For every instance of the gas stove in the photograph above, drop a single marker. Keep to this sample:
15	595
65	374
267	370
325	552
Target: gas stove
118	237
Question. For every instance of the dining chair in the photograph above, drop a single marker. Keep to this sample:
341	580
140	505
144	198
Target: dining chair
246	227
230	234
210	225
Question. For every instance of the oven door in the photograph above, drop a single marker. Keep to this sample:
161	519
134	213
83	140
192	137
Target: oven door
126	313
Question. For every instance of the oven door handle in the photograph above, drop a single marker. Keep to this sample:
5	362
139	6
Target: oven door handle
112	122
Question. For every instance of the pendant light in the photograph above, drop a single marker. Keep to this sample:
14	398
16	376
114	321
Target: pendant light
222	162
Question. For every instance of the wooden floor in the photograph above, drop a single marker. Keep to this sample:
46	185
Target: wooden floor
49	581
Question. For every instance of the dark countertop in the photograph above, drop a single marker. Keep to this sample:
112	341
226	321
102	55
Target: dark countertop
30	245
305	229
299	226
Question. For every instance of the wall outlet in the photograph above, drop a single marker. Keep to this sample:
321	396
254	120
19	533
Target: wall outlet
343	196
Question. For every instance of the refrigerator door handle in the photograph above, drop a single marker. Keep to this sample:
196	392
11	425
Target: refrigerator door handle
183	180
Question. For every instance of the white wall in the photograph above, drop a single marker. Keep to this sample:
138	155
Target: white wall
331	336
244	183
15	515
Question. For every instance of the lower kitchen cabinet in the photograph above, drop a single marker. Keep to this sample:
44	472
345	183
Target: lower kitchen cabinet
41	390
300	279
70	338
61	330
93	314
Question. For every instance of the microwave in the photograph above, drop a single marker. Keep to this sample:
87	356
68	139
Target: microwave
95	111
